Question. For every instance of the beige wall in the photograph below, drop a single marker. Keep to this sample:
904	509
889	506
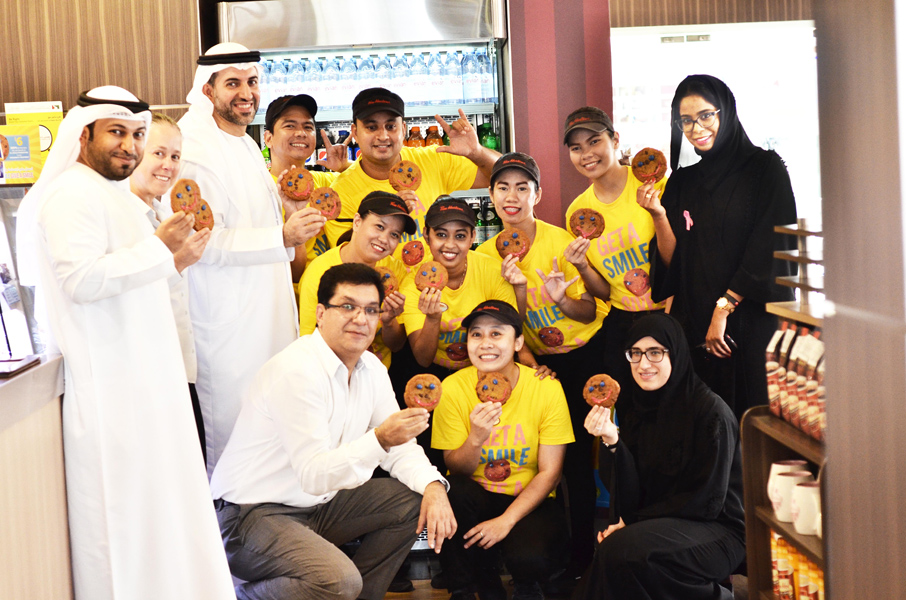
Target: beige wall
55	49
642	13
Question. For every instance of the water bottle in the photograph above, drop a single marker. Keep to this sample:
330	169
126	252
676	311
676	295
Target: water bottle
313	85
295	77
263	89
331	83
400	85
492	61
366	73
436	83
453	77
419	81
383	72
278	80
471	79
347	88
487	78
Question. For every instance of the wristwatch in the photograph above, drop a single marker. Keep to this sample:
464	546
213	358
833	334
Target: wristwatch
727	303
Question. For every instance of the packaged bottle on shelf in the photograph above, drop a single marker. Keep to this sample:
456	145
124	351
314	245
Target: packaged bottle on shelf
401	78
481	226
418	81
266	153
383	72
366	75
492	61
471	79
487	78
436	83
278	80
263	84
415	138
348	84
331	83
487	137
313	85
295	77
433	138
493	223
453	78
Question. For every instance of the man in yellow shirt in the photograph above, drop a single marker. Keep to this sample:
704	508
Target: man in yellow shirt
290	134
380	129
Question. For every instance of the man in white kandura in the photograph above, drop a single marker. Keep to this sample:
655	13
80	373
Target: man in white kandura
241	295
140	516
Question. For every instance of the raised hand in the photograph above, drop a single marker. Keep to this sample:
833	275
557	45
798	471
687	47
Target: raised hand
337	157
555	282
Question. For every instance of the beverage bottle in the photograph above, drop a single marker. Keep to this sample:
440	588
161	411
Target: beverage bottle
278	80
433	137
487	78
492	60
419	81
493	222
266	153
331	83
365	74
475	205
313	85
453	79
471	79
297	77
436	83
481	226
263	87
487	137
446	139
347	87
415	138
383	73
401	78
354	150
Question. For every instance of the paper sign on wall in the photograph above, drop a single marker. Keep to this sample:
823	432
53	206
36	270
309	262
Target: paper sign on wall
20	147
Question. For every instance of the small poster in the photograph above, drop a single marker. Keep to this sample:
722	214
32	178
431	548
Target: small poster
46	115
20	154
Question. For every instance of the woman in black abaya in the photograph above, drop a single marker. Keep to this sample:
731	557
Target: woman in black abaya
716	256
677	479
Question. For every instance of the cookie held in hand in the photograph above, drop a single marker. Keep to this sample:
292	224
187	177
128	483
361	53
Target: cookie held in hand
298	184
423	391
513	241
493	387
388	280
327	201
431	274
405	175
586	223
649	165
601	390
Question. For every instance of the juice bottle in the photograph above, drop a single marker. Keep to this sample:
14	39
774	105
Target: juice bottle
415	138
433	138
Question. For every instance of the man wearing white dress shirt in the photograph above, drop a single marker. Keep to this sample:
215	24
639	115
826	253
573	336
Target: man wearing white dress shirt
295	480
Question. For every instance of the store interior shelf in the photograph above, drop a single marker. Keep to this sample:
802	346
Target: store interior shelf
778	429
814	257
810	545
812	314
815	283
801	230
412	112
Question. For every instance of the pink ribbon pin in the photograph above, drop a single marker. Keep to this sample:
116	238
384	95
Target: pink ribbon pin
688	220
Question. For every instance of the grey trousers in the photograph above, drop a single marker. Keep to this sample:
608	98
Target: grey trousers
286	553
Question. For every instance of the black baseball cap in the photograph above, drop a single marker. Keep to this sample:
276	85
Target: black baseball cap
498	309
276	108
385	203
446	209
587	117
517	160
373	100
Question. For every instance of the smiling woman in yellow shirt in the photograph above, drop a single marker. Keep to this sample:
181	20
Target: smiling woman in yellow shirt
377	228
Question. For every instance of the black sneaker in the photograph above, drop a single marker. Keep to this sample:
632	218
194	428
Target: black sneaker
400	585
439	581
491	590
525	590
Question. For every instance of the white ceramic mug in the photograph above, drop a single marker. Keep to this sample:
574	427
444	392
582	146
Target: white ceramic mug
806	506
785	484
777	468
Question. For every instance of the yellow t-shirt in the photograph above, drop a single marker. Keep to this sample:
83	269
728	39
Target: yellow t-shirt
442	173
620	255
483	282
560	333
317	245
535	414
308	296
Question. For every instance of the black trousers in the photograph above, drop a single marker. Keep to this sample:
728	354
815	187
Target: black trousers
573	370
533	551
664	559
199	421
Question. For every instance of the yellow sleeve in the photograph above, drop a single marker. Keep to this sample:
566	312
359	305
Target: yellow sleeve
308	290
451	417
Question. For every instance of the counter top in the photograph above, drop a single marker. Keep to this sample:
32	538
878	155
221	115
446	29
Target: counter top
30	390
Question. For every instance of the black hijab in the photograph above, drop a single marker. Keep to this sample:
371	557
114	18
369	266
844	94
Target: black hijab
732	146
659	427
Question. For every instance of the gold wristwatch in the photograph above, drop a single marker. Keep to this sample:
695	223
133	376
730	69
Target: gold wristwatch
724	303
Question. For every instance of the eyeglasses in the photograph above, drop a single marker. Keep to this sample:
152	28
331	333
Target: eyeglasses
705	120
654	355
351	311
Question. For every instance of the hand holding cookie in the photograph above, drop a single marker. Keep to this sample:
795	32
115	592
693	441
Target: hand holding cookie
429	303
576	252
599	424
393	306
175	229
482	420
413	202
511	272
649	198
191	250
301	226
400	427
